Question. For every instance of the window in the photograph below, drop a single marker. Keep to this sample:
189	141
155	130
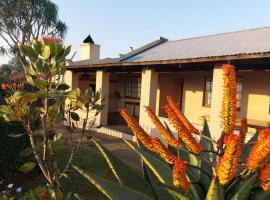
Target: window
207	97
239	89
93	86
133	87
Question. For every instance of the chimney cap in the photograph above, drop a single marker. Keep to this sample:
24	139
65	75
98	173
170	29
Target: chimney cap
88	39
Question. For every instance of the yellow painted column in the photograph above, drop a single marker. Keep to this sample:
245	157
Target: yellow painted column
216	104
102	85
72	79
149	87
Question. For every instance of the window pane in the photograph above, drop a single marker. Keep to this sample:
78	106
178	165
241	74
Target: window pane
239	87
208	91
133	87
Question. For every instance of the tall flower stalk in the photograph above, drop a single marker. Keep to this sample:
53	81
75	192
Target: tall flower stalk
182	131
229	99
227	166
167	135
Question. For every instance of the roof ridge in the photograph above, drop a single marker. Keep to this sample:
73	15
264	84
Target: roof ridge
143	48
216	34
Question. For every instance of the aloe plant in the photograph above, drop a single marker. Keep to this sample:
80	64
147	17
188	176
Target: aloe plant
189	168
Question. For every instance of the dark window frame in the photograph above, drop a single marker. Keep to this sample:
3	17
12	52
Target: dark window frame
204	92
134	89
237	82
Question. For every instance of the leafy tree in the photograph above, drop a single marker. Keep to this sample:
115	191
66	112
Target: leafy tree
5	72
48	64
24	20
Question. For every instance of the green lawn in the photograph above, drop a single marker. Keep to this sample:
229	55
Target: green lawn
91	160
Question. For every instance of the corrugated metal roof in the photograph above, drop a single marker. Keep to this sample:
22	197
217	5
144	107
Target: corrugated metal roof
146	47
225	44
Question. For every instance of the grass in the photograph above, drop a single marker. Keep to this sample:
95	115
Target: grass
91	160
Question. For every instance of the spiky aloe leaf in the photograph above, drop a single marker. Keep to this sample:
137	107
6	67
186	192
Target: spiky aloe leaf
233	187
245	190
112	190
260	194
207	145
215	191
108	160
161	170
248	147
160	192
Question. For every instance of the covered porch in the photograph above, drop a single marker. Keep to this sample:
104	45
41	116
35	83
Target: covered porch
197	87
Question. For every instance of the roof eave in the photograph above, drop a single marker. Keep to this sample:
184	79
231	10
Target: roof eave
178	61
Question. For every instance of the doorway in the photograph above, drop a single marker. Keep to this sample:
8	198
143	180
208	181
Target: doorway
170	87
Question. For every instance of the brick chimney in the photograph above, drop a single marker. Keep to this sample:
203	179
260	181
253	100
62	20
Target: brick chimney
90	51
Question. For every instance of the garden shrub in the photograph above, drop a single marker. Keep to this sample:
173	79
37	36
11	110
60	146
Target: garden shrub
11	147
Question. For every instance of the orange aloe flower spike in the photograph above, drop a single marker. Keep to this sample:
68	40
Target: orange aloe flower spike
170	139
229	98
264	176
153	144
182	131
179	175
260	151
138	131
163	151
263	134
182	117
227	166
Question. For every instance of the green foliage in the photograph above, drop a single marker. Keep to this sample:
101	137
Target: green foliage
10	157
204	184
24	20
47	60
110	189
27	167
215	191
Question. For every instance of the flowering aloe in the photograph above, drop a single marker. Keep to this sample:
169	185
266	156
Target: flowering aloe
179	175
229	98
182	117
260	151
137	129
152	143
203	168
227	166
182	131
168	136
264	176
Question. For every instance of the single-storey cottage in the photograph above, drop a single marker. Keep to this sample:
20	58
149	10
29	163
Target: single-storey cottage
189	70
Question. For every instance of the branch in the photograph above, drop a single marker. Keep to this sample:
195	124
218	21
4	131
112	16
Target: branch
76	148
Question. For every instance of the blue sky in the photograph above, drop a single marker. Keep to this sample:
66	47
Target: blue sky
118	24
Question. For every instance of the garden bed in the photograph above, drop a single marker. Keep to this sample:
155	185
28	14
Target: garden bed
90	160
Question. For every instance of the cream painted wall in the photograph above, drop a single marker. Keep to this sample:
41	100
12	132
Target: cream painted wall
256	95
168	87
193	87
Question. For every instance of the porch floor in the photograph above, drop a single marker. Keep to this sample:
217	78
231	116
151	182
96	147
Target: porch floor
120	128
